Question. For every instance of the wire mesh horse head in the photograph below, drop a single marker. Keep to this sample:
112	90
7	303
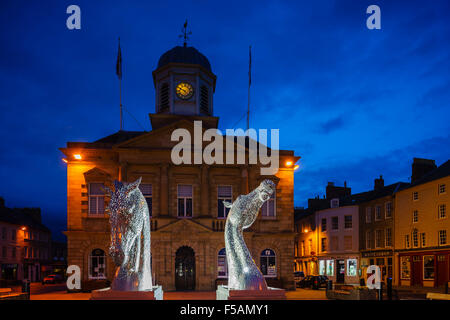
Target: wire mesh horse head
130	237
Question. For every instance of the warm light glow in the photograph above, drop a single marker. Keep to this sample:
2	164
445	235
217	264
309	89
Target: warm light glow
288	163
64	159
306	230
296	167
24	228
77	156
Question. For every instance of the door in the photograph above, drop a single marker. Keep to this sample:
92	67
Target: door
185	269
416	276
340	271
442	270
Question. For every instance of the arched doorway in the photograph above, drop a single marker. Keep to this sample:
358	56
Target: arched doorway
185	269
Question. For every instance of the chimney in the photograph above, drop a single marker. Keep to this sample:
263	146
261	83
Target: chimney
421	167
379	183
34	213
333	191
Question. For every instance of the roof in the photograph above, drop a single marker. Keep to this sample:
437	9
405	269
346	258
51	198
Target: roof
188	55
30	217
440	172
300	213
379	193
108	141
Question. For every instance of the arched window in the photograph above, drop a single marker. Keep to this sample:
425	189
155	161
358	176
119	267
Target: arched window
268	263
97	264
222	268
164	97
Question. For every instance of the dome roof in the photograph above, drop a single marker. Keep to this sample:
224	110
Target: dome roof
188	55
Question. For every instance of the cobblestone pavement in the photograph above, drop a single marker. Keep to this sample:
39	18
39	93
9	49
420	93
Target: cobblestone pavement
299	294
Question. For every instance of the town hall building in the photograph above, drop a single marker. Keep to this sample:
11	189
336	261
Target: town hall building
184	200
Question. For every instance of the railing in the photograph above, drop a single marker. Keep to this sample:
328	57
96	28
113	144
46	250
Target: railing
218	225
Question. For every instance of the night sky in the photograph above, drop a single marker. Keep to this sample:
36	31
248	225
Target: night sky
353	103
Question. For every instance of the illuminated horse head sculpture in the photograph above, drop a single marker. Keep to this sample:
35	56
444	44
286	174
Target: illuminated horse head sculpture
243	274
130	237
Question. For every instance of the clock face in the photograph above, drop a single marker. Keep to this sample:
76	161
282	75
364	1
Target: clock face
184	90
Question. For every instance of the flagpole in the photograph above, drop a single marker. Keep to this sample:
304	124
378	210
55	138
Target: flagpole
249	83
120	87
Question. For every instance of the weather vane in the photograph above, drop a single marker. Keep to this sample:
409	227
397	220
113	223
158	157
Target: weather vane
185	33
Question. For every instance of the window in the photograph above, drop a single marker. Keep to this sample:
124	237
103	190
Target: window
310	247
388	210
388	236
442	212
407	243
4	252
224	193
368	215
222	268
204	99
377	213
13	252
348	242
303	248
352	265
442	237
268	263
324	224
405	267
96	199
25	252
334	223
415	216
334	203
323	243
369	243
423	239
415	239
322	269
334	243
441	188
97	264
379	239
184	200
428	267
415	196
348	222
330	267
147	191
268	208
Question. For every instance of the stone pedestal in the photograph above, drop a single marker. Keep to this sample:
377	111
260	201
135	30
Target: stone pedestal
108	294
223	293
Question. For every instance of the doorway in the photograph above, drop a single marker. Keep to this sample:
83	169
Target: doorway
417	266
442	270
340	274
185	269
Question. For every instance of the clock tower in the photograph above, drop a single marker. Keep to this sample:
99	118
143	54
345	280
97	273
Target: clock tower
184	83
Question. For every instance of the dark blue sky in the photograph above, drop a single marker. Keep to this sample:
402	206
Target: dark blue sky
353	103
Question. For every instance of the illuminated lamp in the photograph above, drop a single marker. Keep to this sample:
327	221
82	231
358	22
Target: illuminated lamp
288	163
64	159
77	156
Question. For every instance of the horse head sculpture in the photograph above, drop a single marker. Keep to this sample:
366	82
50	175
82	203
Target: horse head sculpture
243	274
130	237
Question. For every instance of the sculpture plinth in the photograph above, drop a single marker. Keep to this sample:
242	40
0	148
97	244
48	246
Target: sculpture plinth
130	246
107	294
245	280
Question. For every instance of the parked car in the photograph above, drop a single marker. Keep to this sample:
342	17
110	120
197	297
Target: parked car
298	276
52	278
313	282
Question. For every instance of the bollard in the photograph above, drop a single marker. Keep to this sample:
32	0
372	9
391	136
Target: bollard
330	285
380	292
389	288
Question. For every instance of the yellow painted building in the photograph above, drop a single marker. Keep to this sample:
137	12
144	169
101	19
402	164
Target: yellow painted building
422	227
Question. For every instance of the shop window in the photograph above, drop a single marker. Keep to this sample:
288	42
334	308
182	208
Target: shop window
147	192
352	267
185	201
268	209
428	267
224	193
405	267
96	199
330	267
222	268
268	263
97	264
322	270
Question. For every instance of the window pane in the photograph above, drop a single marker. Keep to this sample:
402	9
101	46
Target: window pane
220	208
149	204
96	189
224	191
146	189
188	207
181	207
185	190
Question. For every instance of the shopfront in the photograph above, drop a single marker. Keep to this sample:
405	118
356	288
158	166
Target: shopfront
381	258
425	268
340	269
